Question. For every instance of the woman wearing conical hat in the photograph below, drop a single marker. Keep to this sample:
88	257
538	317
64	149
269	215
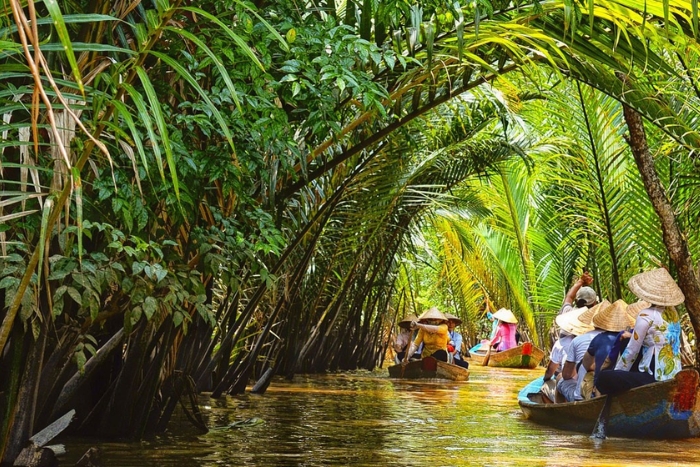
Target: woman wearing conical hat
656	335
432	333
505	332
613	320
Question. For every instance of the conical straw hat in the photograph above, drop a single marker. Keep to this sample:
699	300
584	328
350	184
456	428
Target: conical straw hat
406	322
613	318
451	317
570	323
633	309
586	317
506	316
433	313
656	287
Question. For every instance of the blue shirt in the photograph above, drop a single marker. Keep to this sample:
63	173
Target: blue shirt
600	348
457	339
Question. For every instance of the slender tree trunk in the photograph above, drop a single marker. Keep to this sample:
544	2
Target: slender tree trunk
673	237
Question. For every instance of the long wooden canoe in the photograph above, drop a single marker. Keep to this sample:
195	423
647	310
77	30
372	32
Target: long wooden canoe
523	356
428	367
664	410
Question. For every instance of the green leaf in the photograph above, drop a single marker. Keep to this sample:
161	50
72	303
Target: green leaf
235	37
75	295
177	318
60	25
78	189
43	235
188	77
150	306
219	65
162	127
128	119
145	117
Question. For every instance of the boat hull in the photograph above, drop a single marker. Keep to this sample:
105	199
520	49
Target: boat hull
663	410
522	356
429	368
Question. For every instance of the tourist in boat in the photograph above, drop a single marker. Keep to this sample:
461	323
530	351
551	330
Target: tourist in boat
483	345
613	320
580	295
505	333
403	339
570	327
572	374
656	335
454	345
432	333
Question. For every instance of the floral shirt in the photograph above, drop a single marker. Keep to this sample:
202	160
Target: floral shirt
657	334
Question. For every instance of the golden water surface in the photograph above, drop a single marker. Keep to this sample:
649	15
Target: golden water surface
367	419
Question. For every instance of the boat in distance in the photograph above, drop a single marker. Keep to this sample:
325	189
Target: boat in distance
428	367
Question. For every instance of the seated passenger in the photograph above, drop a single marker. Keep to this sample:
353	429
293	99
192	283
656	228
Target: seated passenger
403	339
572	374
454	346
505	333
570	327
612	320
656	334
432	333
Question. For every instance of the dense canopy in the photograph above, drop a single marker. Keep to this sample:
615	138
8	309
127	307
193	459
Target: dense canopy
194	193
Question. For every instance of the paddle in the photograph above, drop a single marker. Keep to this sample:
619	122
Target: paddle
599	429
487	357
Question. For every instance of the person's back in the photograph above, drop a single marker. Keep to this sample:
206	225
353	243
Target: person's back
656	336
506	336
570	385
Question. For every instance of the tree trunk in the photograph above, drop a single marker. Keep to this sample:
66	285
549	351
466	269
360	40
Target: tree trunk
673	238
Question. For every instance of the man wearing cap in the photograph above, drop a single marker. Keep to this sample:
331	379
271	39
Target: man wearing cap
580	294
454	346
572	374
432	333
612	320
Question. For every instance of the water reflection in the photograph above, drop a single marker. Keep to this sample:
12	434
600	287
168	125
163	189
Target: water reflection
368	419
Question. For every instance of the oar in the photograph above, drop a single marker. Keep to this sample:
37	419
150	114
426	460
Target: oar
599	429
487	357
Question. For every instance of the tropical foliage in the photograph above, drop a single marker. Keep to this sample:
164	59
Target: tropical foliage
196	196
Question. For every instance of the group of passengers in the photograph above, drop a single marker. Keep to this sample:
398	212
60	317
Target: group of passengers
608	348
435	336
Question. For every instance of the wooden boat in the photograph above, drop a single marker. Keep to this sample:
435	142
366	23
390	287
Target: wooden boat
523	356
664	410
428	367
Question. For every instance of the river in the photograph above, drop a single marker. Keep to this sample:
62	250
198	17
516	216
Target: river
367	419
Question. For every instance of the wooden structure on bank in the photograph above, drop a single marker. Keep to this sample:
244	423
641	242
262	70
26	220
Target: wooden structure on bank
428	367
663	410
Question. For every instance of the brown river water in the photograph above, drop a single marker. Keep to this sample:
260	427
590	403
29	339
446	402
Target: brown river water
367	419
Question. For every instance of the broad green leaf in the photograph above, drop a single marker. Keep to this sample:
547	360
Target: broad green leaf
150	306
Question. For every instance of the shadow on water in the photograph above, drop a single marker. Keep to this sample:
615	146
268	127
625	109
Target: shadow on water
367	419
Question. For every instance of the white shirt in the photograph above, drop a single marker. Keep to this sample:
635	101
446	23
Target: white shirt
577	349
